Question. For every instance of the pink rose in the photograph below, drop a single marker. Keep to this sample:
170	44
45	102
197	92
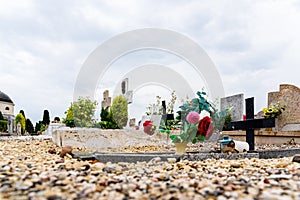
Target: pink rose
193	117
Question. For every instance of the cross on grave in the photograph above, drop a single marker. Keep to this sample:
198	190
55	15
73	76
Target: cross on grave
166	116
250	124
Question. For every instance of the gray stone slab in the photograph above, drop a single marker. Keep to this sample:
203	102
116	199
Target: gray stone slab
134	157
266	154
146	157
191	156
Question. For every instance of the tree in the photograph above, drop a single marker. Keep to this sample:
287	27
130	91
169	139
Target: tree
1	116
107	120
119	110
83	112
56	119
21	119
69	120
29	126
23	113
3	123
37	126
46	118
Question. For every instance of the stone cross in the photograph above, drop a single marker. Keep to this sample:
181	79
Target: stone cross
250	123
106	100
125	92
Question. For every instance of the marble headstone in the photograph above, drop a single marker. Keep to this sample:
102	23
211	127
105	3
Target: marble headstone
237	104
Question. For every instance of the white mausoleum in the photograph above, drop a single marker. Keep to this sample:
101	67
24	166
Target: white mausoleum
7	110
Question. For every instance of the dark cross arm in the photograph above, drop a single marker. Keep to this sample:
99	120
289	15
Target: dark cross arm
252	124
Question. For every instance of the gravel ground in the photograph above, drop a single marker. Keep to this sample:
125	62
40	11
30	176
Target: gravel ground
33	169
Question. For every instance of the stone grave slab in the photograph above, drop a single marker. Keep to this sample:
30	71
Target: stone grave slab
163	156
191	156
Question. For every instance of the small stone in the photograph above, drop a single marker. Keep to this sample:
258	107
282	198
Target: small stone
236	165
155	160
171	160
296	158
52	151
282	164
66	150
59	161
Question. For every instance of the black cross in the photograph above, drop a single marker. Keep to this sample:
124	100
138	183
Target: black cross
250	123
166	116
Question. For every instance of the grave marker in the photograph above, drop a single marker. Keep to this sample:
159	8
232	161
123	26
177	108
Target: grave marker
128	94
237	104
288	95
106	103
250	123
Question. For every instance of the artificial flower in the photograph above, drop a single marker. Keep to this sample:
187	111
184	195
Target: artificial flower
193	117
205	128
149	128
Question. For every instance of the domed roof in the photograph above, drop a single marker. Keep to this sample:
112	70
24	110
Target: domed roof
5	98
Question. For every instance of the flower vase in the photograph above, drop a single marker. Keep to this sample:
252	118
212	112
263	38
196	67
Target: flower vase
181	147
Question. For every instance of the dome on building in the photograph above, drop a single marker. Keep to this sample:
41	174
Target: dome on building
4	97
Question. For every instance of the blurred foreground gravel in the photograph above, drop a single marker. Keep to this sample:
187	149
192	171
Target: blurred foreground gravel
33	169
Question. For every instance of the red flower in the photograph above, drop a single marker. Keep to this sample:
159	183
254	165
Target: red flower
148	127
205	128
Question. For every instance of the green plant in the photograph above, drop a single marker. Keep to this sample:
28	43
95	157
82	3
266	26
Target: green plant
119	110
81	113
107	120
170	107
42	128
3	125
69	120
1	116
21	119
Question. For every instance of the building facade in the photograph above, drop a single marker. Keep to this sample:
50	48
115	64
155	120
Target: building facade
7	109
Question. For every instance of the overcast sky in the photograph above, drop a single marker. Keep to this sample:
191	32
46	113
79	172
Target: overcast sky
254	45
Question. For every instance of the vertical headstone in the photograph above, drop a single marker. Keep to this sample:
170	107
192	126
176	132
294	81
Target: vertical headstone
106	100
288	95
237	104
128	94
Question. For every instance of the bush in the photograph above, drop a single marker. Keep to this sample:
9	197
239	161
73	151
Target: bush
21	119
3	126
119	110
29	126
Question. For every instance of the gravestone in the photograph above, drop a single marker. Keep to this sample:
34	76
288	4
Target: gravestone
54	126
132	122
250	123
128	94
288	95
237	104
106	103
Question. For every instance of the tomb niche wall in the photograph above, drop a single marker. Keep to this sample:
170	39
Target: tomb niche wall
288	95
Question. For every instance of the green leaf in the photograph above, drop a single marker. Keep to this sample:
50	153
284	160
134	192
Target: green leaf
201	138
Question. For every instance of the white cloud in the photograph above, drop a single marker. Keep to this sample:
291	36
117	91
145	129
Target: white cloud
43	44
